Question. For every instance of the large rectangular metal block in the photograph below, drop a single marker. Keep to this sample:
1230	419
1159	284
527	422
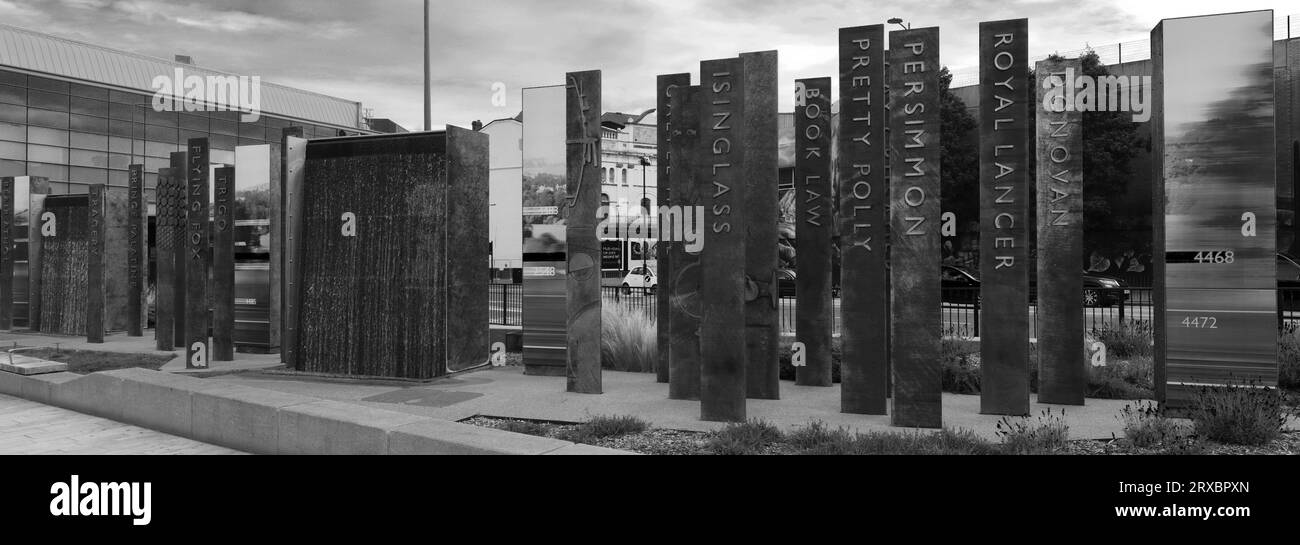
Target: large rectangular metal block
168	210
137	252
1062	369
197	254
864	219
582	202
1004	216
667	86
388	275
687	190
722	261
223	265
64	281
7	252
814	217
760	175
914	218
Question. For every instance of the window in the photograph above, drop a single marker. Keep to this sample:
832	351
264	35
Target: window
625	176
121	128
53	172
48	137
83	158
13	78
161	134
89	106
164	119
119	145
46	84
13	150
96	142
13	114
195	121
87	91
88	175
48	101
46	118
88	123
10	131
120	111
47	154
13	95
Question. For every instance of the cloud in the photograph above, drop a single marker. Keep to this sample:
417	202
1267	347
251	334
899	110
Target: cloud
371	51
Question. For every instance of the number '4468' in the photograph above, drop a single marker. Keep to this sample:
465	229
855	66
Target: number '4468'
1225	257
1201	322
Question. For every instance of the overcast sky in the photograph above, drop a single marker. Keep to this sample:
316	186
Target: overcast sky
370	51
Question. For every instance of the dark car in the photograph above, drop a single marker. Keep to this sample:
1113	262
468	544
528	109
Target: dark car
962	286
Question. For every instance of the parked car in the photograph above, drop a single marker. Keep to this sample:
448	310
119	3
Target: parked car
962	286
785	282
642	278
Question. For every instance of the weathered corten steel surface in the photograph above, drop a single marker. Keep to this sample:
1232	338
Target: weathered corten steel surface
179	166
722	273
1062	371
39	189
116	265
95	288
762	325
687	190
65	258
168	212
7	254
915	146
814	215
375	251
1004	216
582	154
667	86
197	254
864	219
223	265
137	262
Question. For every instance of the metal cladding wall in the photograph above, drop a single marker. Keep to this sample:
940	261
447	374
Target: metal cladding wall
391	248
1214	203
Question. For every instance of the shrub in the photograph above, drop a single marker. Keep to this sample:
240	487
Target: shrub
743	439
1122	379
526	427
1044	434
1239	415
946	441
960	365
1288	363
815	435
1146	426
787	371
627	339
1131	339
603	427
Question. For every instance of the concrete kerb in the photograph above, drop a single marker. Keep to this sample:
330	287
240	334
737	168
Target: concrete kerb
268	422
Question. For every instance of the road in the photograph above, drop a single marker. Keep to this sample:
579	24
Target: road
27	427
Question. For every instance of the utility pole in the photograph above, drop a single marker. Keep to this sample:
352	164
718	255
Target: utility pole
428	107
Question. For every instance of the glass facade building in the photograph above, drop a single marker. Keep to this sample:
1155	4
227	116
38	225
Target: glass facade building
76	134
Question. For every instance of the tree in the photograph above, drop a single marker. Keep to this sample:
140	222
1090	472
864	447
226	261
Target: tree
959	163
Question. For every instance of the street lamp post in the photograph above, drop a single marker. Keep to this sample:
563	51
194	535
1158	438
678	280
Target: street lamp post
645	210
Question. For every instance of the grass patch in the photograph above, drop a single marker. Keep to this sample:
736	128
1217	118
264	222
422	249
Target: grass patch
1130	339
960	366
1045	434
1146	426
787	371
1239	415
1122	379
1288	362
604	427
84	362
747	438
627	339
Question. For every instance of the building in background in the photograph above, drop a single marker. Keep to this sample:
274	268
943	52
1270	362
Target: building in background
505	195
79	114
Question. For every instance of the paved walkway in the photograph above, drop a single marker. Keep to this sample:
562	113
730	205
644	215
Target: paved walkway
27	427
507	392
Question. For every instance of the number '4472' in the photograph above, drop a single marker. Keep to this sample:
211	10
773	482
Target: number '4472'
1201	322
